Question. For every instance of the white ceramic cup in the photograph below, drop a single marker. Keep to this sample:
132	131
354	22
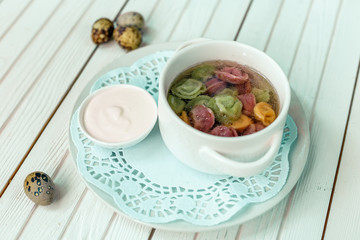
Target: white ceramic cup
238	156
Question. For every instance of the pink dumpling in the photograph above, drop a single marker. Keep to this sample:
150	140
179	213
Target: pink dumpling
202	118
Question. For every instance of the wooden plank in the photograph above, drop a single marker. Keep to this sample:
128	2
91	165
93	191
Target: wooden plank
266	226
167	235
225	234
159	30
226	20
199	12
259	22
87	222
49	151
24	31
306	216
43	48
122	228
10	10
18	134
344	217
317	29
286	34
306	72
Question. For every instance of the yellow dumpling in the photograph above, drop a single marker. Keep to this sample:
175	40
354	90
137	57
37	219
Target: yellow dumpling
242	123
264	113
185	117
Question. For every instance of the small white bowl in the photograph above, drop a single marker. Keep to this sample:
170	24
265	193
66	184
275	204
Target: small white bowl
118	116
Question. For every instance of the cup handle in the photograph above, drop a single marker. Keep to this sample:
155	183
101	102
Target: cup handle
224	165
191	42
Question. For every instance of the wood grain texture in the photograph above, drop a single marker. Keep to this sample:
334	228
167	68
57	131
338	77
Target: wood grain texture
26	123
305	74
26	28
24	74
123	228
344	217
193	21
226	19
49	151
224	234
259	23
88	222
10	10
309	207
167	235
163	20
287	31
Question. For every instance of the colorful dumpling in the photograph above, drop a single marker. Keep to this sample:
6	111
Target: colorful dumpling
202	117
199	100
261	95
227	108
176	104
203	72
224	98
264	113
229	91
188	88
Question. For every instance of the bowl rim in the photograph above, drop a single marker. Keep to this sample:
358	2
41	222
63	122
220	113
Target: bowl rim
269	129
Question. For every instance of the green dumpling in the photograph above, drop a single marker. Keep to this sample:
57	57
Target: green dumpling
202	99
261	95
226	108
229	91
188	88
203	72
176	104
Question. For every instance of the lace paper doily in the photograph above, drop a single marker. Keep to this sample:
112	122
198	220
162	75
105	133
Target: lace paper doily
149	184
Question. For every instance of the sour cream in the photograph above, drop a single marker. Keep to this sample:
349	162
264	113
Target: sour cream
118	116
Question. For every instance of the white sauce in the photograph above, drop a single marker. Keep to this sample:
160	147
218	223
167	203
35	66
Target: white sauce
119	114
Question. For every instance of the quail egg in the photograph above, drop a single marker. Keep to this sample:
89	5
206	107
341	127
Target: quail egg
102	30
128	37
131	19
39	187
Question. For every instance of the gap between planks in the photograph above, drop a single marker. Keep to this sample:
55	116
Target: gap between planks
312	115
274	24
341	152
39	75
73	212
178	20
15	20
243	20
56	108
31	40
211	16
291	196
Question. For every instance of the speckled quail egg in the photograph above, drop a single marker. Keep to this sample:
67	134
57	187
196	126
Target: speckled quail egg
128	37
131	19
39	187
102	30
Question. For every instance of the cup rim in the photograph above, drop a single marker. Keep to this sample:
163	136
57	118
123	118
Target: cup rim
272	127
123	144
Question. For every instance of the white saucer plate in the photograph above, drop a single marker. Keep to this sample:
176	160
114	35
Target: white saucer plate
297	156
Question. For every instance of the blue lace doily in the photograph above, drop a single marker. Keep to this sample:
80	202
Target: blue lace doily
149	184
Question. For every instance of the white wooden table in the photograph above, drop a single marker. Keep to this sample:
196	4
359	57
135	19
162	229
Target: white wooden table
47	57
